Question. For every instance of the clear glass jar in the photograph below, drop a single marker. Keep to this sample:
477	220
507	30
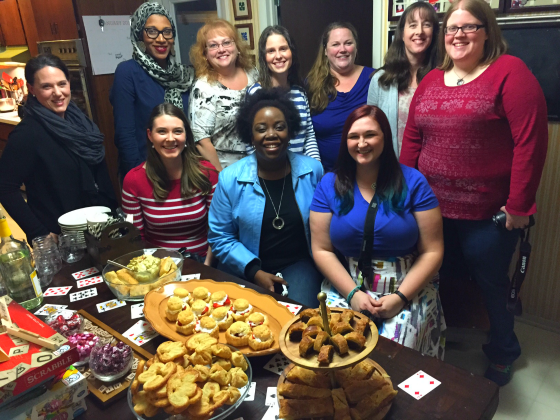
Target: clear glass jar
72	246
84	342
110	360
66	322
47	258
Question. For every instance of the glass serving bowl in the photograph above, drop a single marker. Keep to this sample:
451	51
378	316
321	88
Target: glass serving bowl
98	358
136	292
219	414
69	323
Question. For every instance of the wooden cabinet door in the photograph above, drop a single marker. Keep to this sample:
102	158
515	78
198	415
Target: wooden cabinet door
54	19
10	23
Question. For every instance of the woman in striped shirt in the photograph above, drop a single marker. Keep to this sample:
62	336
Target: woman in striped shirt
279	67
169	195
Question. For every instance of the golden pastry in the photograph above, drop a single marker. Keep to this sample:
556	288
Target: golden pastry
296	330
238	360
174	306
238	334
219	299
184	295
186	322
261	338
201	293
200	308
221	350
223	317
340	344
306	345
321	339
306	314
306	409
325	355
315	320
355	341
208	325
256	319
303	392
241	309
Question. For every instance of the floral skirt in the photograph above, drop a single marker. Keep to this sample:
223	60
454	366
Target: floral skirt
421	326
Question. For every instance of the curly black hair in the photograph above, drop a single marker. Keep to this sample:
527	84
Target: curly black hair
263	98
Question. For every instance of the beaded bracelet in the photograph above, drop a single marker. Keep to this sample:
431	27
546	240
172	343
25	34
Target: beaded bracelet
351	294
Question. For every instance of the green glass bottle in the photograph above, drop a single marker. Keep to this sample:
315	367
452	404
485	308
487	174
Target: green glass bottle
16	266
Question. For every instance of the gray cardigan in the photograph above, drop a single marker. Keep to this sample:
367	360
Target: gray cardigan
387	99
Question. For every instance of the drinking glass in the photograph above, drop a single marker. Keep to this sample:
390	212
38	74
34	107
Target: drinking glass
47	258
72	246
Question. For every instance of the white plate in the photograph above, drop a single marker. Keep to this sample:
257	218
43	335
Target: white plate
79	216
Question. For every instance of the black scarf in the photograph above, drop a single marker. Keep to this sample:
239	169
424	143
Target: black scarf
76	131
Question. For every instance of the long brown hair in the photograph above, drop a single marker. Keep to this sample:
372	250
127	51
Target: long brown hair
397	67
198	50
264	72
321	84
495	45
193	178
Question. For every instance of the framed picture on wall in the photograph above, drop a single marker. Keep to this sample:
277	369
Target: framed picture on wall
245	31
242	10
397	7
527	6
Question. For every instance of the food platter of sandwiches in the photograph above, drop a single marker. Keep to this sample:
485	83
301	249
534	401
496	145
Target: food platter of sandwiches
233	315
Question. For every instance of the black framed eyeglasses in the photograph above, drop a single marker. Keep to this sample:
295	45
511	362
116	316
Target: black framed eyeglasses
467	29
153	33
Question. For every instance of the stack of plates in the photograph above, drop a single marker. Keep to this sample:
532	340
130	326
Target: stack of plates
76	220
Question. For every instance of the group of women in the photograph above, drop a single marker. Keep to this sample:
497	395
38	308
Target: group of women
239	182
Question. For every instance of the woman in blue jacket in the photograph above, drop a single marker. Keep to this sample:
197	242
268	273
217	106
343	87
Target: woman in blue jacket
149	79
259	217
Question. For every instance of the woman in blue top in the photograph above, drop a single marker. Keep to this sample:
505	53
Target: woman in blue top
336	86
149	79
259	217
401	292
279	67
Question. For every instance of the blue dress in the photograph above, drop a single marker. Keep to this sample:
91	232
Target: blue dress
134	95
328	124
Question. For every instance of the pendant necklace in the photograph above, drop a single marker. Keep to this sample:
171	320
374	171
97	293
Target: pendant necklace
461	80
277	222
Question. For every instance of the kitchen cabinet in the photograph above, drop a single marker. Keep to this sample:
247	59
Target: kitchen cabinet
54	19
11	29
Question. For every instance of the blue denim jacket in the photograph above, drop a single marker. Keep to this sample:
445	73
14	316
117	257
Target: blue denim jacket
237	208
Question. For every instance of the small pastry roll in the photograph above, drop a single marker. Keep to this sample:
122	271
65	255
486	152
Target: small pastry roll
316	320
340	344
355	341
312	331
306	345
325	355
321	339
360	325
296	330
347	315
342	328
302	376
302	392
307	314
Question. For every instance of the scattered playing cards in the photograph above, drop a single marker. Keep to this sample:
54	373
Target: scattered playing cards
110	304
89	282
419	384
57	291
272	413
136	311
50	309
277	364
85	273
84	294
270	396
292	307
140	333
251	394
186	277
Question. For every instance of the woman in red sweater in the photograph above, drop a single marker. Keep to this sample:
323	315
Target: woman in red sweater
477	129
170	194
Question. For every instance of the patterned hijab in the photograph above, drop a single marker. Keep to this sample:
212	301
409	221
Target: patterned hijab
176	78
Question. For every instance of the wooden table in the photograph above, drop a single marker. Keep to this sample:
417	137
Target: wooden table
461	395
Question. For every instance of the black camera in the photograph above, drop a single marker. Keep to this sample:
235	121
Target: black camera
500	218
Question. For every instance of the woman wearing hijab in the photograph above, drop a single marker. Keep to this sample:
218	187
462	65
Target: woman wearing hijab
56	151
149	79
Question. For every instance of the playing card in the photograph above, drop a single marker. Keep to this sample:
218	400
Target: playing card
292	307
140	333
251	394
89	282
272	413
84	273
419	384
50	309
270	396
110	304
277	364
186	277
149	251
84	294
136	311
57	291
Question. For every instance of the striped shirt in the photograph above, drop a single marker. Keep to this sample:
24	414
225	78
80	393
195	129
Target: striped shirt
304	142
175	222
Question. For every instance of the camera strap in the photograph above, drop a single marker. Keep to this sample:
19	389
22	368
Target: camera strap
514	304
364	263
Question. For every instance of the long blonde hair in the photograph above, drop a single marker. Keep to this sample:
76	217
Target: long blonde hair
321	84
198	50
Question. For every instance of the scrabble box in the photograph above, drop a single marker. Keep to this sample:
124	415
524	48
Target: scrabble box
29	365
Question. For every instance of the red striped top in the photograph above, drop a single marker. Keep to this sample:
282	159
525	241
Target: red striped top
174	223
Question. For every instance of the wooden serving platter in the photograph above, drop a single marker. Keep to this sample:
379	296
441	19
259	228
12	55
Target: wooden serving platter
93	383
291	348
155	304
379	416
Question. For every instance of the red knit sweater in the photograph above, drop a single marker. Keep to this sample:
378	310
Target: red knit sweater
174	223
481	145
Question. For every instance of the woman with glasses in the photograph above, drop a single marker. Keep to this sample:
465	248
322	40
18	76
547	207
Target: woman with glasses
223	71
149	79
279	67
477	129
410	57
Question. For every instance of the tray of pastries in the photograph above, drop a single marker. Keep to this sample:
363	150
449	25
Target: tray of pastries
226	311
200	379
363	391
306	342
